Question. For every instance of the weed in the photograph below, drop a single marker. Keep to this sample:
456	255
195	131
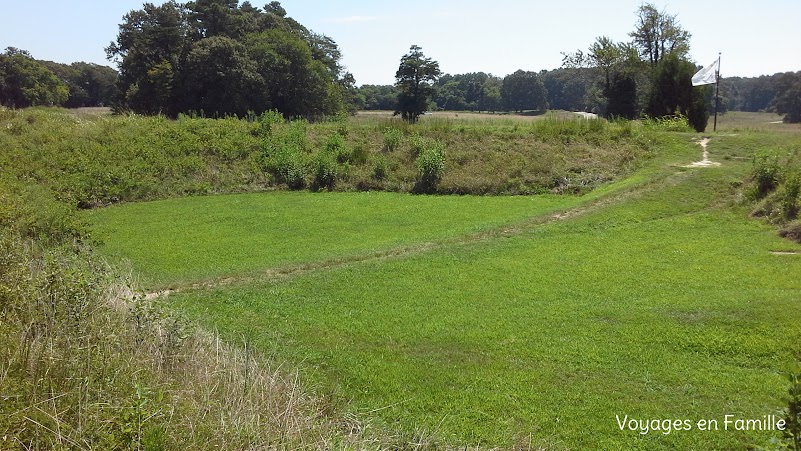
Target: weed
431	167
392	139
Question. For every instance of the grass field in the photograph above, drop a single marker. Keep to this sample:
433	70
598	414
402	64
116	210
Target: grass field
655	296
204	238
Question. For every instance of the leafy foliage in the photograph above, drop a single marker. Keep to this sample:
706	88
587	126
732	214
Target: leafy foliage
788	97
431	164
25	82
414	80
523	90
220	58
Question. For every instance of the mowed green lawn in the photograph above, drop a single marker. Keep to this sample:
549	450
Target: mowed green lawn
178	241
664	303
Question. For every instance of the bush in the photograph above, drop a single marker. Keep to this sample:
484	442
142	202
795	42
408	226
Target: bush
267	120
325	171
431	166
792	414
392	139
336	146
765	174
792	230
792	188
287	165
381	168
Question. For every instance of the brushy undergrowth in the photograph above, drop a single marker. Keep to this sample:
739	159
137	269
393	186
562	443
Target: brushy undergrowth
95	160
775	188
87	363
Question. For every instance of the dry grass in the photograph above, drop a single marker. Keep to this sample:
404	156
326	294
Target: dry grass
87	364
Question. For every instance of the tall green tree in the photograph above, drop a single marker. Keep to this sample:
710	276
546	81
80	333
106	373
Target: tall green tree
150	49
225	58
672	92
788	98
25	82
523	90
415	80
658	34
89	84
220	78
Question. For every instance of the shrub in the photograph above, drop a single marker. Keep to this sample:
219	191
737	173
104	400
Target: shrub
392	139
419	144
336	146
792	414
325	171
789	199
359	154
381	168
431	166
792	230
267	120
765	174
287	165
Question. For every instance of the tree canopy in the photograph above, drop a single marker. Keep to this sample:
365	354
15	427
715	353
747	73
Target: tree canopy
218	57
26	82
415	80
523	90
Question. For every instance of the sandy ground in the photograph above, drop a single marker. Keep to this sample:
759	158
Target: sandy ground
705	162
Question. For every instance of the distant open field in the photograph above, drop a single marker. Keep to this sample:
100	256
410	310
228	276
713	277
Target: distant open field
741	121
535	321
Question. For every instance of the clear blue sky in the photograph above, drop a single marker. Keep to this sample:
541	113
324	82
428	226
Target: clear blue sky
499	37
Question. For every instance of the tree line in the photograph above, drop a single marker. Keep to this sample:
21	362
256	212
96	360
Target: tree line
219	57
25	82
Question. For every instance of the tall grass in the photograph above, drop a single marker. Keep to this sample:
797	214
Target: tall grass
99	160
88	363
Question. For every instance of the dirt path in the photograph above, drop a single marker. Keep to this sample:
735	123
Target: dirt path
506	231
705	162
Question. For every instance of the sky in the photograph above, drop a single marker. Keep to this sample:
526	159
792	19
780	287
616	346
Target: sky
498	37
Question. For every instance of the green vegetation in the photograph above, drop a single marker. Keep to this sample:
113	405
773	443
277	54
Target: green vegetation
427	321
179	241
652	304
415	82
222	58
92	160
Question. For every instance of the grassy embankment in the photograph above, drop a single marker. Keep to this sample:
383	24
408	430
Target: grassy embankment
653	296
90	364
656	298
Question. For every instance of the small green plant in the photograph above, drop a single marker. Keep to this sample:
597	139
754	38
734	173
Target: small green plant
288	166
792	414
381	168
431	166
392	139
267	121
765	174
336	146
359	154
792	188
325	171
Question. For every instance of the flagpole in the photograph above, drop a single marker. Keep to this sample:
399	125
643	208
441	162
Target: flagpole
717	95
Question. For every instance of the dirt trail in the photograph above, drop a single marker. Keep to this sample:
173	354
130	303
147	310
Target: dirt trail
506	231
705	162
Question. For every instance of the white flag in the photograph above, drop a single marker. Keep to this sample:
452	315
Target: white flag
707	75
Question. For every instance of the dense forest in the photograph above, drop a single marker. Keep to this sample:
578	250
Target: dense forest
218	58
